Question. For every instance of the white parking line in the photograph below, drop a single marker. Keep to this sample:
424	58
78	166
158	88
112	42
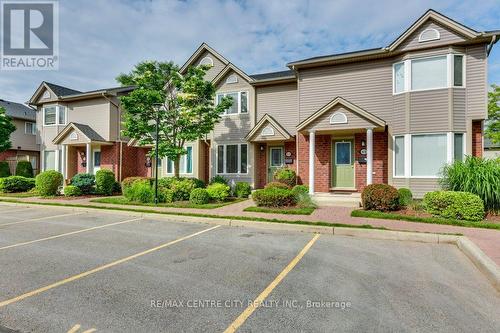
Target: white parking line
40	218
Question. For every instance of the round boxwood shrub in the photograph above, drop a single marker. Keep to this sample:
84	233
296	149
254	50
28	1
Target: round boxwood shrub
104	181
298	190
129	181
274	197
242	189
84	181
405	197
382	197
182	188
24	169
218	180
277	185
4	169
142	192
199	196
218	192
72	191
198	183
48	182
286	176
454	205
14	184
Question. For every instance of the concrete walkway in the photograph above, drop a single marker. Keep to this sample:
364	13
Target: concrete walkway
487	239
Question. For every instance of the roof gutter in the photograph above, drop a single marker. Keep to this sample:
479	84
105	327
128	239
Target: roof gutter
494	39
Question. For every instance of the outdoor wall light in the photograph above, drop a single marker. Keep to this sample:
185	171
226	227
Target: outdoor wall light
84	159
148	163
363	143
261	147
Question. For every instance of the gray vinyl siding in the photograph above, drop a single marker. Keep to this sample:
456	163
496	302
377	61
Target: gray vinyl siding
429	111
476	82
420	186
399	114
459	123
354	121
399	182
281	102
216	69
446	37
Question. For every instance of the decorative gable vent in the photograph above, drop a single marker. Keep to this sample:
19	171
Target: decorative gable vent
207	61
232	79
428	35
267	131
46	95
338	118
73	136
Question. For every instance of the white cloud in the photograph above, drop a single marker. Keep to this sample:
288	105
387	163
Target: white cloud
100	39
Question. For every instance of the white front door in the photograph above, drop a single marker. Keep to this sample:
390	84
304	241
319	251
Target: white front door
96	159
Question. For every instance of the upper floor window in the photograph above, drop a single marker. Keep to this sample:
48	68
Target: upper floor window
240	102
29	128
435	72
54	115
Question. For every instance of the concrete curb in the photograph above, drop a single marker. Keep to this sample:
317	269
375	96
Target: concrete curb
487	266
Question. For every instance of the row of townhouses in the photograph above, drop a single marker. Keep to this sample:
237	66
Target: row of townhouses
394	114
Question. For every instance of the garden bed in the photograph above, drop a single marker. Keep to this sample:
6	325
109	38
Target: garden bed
282	210
177	204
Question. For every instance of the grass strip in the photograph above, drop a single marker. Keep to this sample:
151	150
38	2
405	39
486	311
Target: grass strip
179	204
288	211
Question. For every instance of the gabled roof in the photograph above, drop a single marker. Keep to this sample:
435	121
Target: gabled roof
202	48
376	121
273	75
61	91
230	67
86	130
274	123
18	110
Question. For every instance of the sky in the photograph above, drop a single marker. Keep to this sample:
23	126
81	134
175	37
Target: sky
99	39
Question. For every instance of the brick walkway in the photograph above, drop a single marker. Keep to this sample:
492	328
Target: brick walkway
487	239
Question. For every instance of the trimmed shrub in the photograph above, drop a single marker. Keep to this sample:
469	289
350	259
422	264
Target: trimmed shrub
4	169
405	197
286	176
199	196
218	180
141	192
84	181
24	169
242	190
298	190
182	188
15	184
117	187
48	182
475	175
274	197
129	181
104	181
454	205
382	197
277	185
72	191
218	192
198	183
167	195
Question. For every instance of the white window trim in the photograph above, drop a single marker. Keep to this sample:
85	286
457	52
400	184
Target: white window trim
56	159
267	131
421	40
209	58
58	108
338	113
224	162
450	81
225	114
394	156
184	156
33	127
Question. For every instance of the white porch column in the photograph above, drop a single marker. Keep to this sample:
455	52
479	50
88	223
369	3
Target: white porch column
88	156
58	159
369	156
312	153
64	166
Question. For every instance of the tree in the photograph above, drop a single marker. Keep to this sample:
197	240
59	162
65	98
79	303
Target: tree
187	103
493	123
6	128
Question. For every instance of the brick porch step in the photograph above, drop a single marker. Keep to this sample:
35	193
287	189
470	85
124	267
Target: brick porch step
340	199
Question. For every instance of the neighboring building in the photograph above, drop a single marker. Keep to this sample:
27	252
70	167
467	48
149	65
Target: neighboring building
392	115
23	139
491	150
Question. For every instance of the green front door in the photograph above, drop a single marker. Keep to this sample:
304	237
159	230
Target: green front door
343	164
276	159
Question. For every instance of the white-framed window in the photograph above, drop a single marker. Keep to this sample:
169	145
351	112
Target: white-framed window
232	159
399	156
427	73
240	102
49	160
30	128
185	162
428	35
232	79
54	115
207	61
267	131
338	118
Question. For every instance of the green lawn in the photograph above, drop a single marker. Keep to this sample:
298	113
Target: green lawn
178	204
18	195
288	210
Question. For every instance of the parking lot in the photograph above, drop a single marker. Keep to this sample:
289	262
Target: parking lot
70	271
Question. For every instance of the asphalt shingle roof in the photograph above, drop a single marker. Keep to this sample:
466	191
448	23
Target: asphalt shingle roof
273	75
89	132
18	110
61	91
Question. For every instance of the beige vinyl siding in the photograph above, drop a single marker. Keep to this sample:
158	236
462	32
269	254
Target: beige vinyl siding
429	111
476	82
368	85
93	112
446	37
399	182
399	114
280	101
277	134
354	121
420	186
459	123
215	70
18	138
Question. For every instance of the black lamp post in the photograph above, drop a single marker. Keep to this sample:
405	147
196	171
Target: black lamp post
156	108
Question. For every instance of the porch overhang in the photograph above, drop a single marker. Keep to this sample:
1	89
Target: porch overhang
268	129
79	134
340	115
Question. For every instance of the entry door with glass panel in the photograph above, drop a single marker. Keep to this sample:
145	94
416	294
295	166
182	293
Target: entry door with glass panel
343	164
276	158
97	160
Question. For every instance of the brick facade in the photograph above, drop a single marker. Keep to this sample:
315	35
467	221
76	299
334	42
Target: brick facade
380	159
477	138
260	165
7	154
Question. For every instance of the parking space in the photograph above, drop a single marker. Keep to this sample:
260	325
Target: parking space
117	273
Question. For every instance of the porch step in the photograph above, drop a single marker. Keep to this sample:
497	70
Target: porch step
341	199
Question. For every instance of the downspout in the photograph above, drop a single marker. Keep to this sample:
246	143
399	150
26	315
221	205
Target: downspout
120	155
490	46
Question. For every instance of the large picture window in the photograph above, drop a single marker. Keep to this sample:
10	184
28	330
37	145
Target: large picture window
49	160
429	73
232	158
428	154
185	162
240	102
54	115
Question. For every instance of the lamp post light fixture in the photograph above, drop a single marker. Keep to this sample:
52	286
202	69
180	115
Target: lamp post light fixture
157	108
